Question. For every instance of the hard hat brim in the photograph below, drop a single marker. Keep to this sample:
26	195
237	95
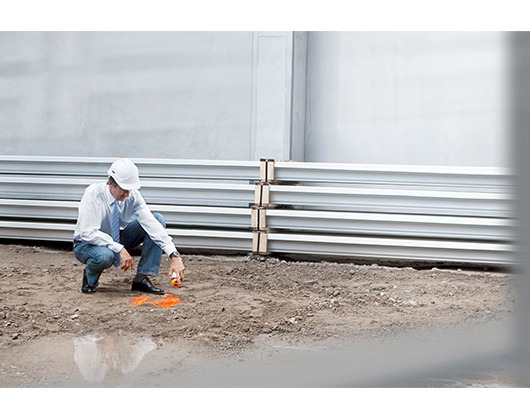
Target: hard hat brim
129	187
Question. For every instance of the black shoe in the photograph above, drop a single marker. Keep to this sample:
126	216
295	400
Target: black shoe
145	285
87	288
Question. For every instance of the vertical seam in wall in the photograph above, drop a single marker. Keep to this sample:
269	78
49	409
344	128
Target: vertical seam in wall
292	81
306	64
252	136
294	74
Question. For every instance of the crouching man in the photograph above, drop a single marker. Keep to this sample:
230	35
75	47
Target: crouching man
114	218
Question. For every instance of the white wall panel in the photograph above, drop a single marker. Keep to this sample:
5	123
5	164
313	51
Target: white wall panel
402	98
428	98
140	94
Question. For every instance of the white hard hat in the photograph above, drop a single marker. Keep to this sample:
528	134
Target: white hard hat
125	173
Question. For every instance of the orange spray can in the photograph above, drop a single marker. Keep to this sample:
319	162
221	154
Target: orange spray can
175	280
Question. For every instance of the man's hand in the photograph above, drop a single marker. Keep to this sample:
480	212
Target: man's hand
177	266
126	260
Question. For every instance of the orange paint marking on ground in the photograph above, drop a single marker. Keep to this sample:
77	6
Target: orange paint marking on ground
139	300
166	302
169	301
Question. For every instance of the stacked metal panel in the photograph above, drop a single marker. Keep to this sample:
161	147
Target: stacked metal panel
357	212
454	215
206	203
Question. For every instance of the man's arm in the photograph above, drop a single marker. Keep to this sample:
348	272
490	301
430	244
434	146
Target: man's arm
159	235
153	227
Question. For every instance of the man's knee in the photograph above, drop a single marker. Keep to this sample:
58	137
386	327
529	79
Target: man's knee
160	218
104	258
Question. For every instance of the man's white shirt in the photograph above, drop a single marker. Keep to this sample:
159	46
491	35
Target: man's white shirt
95	218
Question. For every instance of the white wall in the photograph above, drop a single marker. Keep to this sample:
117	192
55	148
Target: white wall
278	95
355	97
408	98
149	94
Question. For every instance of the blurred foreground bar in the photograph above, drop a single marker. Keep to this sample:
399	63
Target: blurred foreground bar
520	94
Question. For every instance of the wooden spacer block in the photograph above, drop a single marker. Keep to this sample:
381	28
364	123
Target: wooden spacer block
266	170
259	243
258	218
262	195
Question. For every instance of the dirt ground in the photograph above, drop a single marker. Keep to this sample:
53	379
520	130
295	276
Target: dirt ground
229	307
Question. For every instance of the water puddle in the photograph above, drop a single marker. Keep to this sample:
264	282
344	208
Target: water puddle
97	356
124	360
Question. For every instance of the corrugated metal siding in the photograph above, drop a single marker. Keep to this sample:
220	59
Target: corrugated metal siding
387	213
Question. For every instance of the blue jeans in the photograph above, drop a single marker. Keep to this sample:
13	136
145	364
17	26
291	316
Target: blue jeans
99	258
